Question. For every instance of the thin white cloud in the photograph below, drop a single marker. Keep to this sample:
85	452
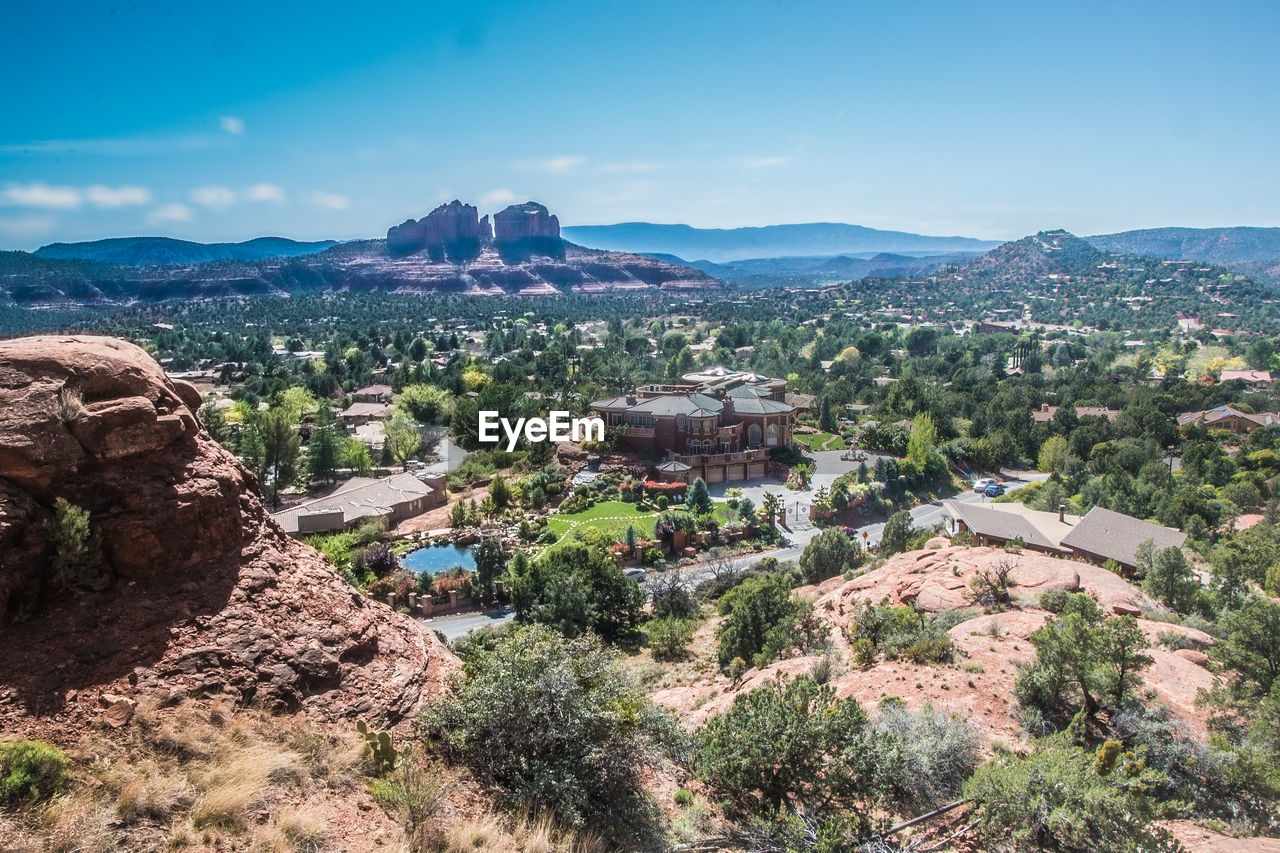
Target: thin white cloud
101	195
40	194
231	125
638	166
763	162
493	198
554	165
170	213
265	192
217	197
330	201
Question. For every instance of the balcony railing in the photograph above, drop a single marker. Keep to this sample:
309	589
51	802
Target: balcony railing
723	458
640	432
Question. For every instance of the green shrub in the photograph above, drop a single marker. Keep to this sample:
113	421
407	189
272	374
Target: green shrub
1054	600
669	637
1055	799
553	723
923	758
899	633
765	623
784	745
684	798
77	550
31	771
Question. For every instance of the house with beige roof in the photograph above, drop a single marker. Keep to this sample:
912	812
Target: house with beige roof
1229	418
1252	378
391	499
1105	534
1100	535
1046	413
721	423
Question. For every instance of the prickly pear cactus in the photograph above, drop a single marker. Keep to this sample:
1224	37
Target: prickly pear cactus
381	748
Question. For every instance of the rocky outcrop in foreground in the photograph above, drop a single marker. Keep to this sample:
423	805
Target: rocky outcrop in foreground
198	592
990	648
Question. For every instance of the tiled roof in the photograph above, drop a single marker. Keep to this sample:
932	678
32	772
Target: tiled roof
618	402
1209	417
1115	536
759	406
747	391
988	521
678	404
359	497
366	410
1045	413
1246	375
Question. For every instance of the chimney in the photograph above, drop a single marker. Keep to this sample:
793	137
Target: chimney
1062	511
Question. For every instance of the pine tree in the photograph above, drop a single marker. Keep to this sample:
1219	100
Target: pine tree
281	447
500	492
826	418
324	448
697	497
491	563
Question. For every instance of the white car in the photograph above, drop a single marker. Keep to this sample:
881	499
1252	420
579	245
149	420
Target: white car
634	574
981	485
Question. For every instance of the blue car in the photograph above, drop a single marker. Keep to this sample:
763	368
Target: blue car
995	490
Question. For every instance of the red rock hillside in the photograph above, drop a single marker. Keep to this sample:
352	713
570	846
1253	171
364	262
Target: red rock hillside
206	595
979	683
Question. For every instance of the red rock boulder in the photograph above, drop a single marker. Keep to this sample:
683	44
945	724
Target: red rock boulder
205	595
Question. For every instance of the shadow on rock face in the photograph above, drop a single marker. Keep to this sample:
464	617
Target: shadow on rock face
206	594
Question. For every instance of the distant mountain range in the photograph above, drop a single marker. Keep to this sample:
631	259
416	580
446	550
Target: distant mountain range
1211	245
721	245
809	271
164	251
524	255
158	268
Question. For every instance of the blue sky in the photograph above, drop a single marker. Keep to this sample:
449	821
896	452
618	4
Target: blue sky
224	121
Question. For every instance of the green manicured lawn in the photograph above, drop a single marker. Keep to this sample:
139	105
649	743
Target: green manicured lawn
615	516
608	515
821	441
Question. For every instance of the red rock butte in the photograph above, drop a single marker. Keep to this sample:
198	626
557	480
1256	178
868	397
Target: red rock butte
206	595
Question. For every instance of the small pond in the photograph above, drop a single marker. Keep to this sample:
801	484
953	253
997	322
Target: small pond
436	559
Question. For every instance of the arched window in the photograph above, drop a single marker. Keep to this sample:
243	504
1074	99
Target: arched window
773	435
753	435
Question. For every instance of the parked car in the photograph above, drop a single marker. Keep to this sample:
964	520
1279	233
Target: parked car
994	490
635	574
981	485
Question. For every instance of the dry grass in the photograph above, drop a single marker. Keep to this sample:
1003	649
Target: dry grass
481	834
70	404
193	776
490	832
200	776
295	831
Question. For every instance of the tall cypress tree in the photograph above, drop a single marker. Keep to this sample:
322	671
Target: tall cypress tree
324	449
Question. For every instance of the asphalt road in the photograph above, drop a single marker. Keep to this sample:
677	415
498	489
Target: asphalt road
461	624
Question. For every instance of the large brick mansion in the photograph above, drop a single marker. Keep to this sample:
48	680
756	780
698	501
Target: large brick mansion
718	424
